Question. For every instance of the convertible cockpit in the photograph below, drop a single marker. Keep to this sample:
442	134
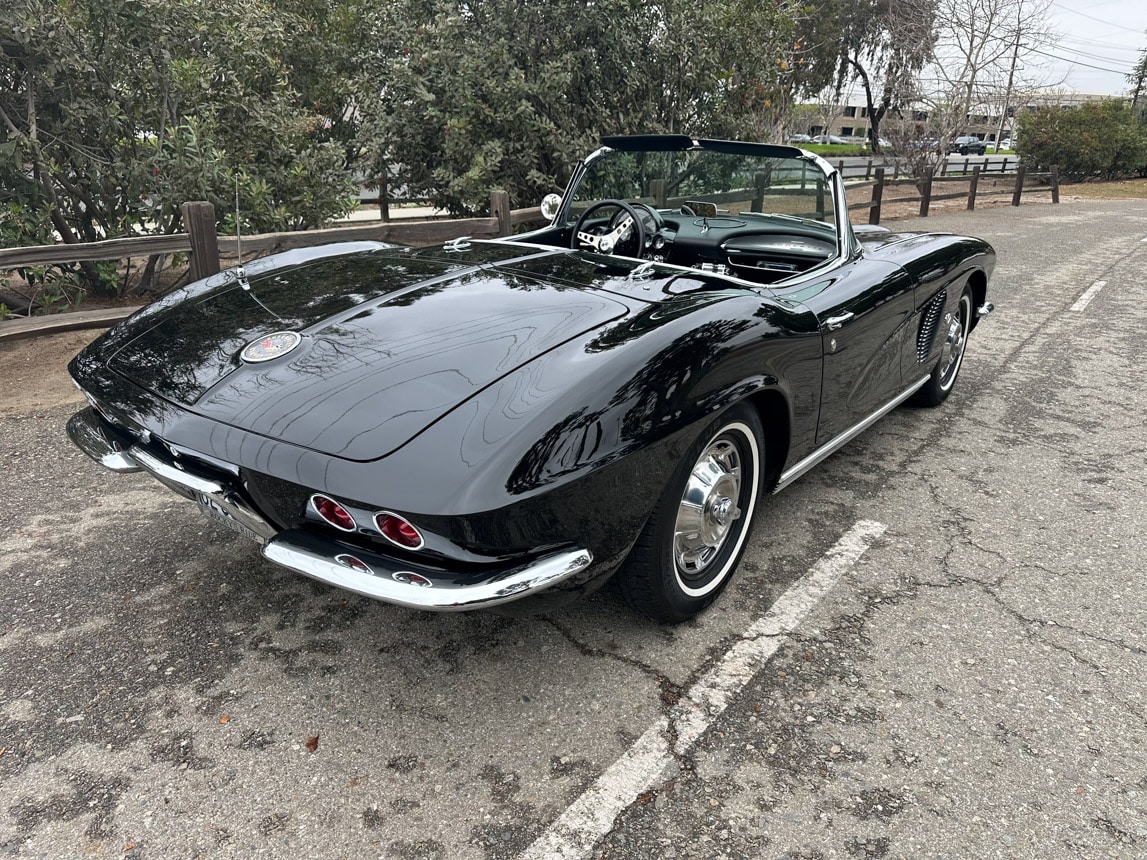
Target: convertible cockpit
756	212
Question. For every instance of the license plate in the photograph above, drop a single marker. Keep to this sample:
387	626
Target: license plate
213	510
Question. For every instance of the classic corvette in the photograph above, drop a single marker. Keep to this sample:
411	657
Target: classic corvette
519	420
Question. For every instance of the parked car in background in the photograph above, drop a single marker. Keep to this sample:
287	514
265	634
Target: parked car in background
800	138
613	394
829	138
1006	143
967	145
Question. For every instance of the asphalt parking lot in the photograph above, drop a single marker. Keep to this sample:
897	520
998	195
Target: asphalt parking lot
936	645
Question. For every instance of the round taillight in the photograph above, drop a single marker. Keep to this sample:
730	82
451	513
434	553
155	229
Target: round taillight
398	530
332	512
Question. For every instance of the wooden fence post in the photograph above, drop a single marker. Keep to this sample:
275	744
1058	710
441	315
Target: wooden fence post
500	209
199	222
1055	183
1019	185
877	196
383	199
760	186
868	171
972	187
926	195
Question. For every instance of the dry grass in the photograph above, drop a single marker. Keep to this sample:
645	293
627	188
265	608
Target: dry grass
1120	189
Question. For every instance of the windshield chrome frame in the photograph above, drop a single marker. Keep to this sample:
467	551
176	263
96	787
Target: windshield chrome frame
845	246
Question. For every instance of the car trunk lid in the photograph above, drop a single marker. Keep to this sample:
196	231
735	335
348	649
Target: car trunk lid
390	343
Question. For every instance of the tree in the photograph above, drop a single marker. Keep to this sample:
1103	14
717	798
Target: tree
117	112
809	63
457	98
884	44
978	46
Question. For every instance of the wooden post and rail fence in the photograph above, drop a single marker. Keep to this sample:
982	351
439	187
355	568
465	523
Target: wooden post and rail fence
203	245
1000	183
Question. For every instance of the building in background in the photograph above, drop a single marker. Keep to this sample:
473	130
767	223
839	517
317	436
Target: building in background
849	121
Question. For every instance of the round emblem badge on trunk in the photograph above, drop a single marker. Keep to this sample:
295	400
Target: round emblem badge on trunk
270	346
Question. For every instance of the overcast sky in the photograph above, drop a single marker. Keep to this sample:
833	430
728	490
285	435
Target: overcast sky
1108	34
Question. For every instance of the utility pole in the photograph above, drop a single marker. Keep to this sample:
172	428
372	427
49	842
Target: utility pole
1138	77
1011	77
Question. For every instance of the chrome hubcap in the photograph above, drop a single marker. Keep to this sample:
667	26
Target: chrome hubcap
708	507
954	345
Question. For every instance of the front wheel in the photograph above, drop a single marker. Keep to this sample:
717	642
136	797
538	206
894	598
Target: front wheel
955	333
691	545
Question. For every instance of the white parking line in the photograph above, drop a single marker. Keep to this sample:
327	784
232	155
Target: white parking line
591	816
1084	300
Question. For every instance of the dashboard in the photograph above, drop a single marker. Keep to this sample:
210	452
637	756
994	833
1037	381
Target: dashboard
754	246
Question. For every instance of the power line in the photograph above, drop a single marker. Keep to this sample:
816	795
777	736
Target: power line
1077	63
1095	43
1079	52
1098	20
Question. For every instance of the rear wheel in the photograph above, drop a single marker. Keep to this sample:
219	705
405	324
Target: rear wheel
955	333
692	543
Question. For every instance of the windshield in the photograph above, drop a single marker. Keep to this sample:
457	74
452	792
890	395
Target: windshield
699	181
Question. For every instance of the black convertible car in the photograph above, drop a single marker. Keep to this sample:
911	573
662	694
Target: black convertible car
490	421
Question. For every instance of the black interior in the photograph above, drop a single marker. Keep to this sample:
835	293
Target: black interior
755	246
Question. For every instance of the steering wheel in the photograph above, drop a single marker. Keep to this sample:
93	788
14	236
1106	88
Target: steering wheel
620	228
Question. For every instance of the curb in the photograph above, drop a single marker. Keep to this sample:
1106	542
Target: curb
71	321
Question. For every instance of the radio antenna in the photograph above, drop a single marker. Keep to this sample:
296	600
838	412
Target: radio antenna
240	272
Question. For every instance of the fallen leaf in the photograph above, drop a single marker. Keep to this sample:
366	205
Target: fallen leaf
313	744
129	847
224	720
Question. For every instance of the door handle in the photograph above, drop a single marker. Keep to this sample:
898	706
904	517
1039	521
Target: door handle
833	323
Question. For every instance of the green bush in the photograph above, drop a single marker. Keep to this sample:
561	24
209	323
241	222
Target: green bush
1101	140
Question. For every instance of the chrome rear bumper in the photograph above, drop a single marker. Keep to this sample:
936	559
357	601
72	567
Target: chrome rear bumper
415	586
100	441
324	557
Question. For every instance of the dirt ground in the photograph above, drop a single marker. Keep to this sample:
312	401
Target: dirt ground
35	376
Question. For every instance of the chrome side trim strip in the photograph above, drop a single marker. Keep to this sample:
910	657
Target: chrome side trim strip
392	584
214	499
183	481
829	448
92	435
